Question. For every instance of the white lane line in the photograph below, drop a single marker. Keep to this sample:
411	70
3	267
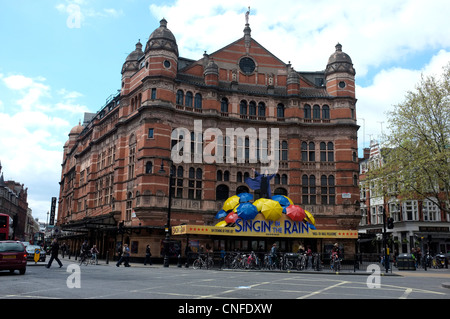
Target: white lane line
324	289
406	293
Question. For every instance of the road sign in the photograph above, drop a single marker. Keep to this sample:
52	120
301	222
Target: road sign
37	255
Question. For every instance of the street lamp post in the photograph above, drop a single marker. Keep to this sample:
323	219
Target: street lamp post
386	254
167	228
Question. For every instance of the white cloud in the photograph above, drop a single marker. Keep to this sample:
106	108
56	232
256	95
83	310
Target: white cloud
31	90
32	135
389	88
81	9
305	32
18	82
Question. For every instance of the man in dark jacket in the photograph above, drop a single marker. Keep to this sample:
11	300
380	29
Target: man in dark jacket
54	251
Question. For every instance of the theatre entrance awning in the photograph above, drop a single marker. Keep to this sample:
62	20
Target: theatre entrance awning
263	228
98	222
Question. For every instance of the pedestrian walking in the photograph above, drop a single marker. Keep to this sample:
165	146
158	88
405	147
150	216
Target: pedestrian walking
187	253
54	251
309	256
94	253
148	254
63	249
125	256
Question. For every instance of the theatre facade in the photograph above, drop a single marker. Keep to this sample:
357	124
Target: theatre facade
118	164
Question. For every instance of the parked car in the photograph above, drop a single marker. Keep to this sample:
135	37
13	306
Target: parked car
13	256
30	251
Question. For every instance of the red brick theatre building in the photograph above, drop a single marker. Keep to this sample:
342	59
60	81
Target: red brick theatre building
116	165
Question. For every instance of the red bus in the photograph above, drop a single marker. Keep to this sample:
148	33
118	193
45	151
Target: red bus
6	230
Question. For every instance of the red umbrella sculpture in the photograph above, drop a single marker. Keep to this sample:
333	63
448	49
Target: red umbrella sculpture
295	213
231	217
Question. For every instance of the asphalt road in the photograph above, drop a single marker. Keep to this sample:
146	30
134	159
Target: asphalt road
156	282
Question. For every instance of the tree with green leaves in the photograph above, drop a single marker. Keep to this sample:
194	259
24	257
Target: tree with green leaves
416	151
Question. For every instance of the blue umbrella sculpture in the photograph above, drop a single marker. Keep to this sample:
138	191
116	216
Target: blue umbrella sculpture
245	197
247	211
221	214
283	200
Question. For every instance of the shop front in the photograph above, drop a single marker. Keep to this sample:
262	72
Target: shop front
259	234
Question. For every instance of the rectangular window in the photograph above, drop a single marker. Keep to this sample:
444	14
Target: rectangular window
150	133
410	210
153	97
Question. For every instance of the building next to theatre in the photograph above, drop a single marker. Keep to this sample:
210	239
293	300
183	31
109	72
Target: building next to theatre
418	223
115	168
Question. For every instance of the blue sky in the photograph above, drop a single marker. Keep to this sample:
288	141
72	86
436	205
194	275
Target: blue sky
54	68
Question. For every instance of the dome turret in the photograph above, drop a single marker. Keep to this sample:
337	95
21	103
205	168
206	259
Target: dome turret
211	73
162	39
340	62
131	62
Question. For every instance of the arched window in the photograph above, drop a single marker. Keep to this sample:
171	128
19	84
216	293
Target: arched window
252	108
316	112
307	111
219	175
242	189
284	179
280	191
222	192
198	101
280	110
129	206
304	151
239	177
312	153
277	179
247	149
226	176
284	151
261	109
224	105
188	100
330	149
180	97
243	107
326	112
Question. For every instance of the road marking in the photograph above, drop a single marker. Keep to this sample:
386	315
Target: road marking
406	293
324	289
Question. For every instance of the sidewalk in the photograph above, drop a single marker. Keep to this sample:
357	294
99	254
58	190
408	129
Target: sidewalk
431	273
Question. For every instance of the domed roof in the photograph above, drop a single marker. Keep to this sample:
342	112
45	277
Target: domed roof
162	38
212	67
136	54
76	130
340	62
131	62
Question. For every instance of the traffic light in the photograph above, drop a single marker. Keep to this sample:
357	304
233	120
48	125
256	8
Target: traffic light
390	223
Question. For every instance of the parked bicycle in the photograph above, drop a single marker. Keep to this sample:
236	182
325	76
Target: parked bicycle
285	263
203	261
300	263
